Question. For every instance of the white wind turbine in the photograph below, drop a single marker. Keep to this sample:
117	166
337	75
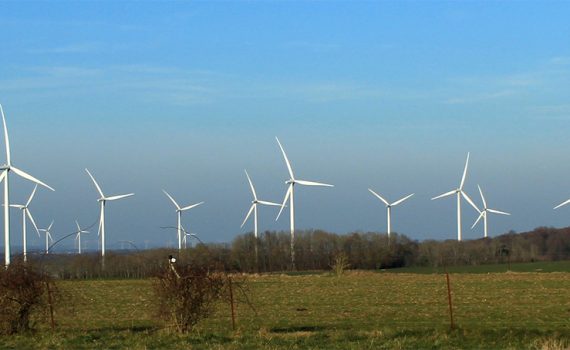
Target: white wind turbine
483	213
192	235
460	193
562	204
253	209
78	235
26	215
48	235
6	168
103	200
289	196
389	207
179	211
254	204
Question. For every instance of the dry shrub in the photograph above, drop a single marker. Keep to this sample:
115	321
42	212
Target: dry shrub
551	344
22	290
340	264
187	294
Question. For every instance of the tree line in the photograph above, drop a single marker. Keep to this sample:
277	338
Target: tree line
317	250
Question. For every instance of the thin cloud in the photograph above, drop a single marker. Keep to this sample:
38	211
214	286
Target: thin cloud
69	49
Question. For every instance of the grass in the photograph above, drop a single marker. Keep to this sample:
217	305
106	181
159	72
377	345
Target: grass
539	266
359	310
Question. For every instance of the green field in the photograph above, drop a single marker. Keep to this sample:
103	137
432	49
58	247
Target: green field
539	266
359	310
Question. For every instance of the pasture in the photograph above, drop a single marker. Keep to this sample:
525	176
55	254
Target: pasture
358	310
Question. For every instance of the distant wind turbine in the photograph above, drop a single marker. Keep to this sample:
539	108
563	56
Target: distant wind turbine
48	235
6	168
253	209
191	235
26	215
103	200
389	207
289	196
179	211
483	213
78	235
562	204
460	193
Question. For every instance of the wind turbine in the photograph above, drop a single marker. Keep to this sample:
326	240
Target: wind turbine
26	215
48	235
6	168
460	193
562	204
179	211
289	196
253	209
186	235
389	206
103	200
78	236
483	213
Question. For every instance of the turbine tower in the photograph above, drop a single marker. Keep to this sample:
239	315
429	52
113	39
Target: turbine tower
483	213
103	200
6	168
78	236
26	215
289	195
179	211
389	207
48	235
459	192
253	209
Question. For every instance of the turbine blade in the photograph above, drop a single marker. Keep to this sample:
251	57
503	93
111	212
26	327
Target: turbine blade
50	225
78	227
269	203
498	212
19	206
312	183
32	195
114	198
251	185
379	197
191	206
3	175
464	172
29	177
286	159
172	199
478	218
562	204
445	194
284	201
248	214
96	184
33	221
7	140
470	201
482	197
401	200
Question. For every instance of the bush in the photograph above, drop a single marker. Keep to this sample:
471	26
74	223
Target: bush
340	264
22	290
187	295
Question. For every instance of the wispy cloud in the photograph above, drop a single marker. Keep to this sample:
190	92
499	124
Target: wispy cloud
474	98
69	49
310	46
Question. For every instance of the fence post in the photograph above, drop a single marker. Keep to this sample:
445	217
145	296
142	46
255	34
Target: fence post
50	303
232	304
452	326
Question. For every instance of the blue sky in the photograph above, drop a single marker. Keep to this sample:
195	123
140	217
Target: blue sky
389	95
